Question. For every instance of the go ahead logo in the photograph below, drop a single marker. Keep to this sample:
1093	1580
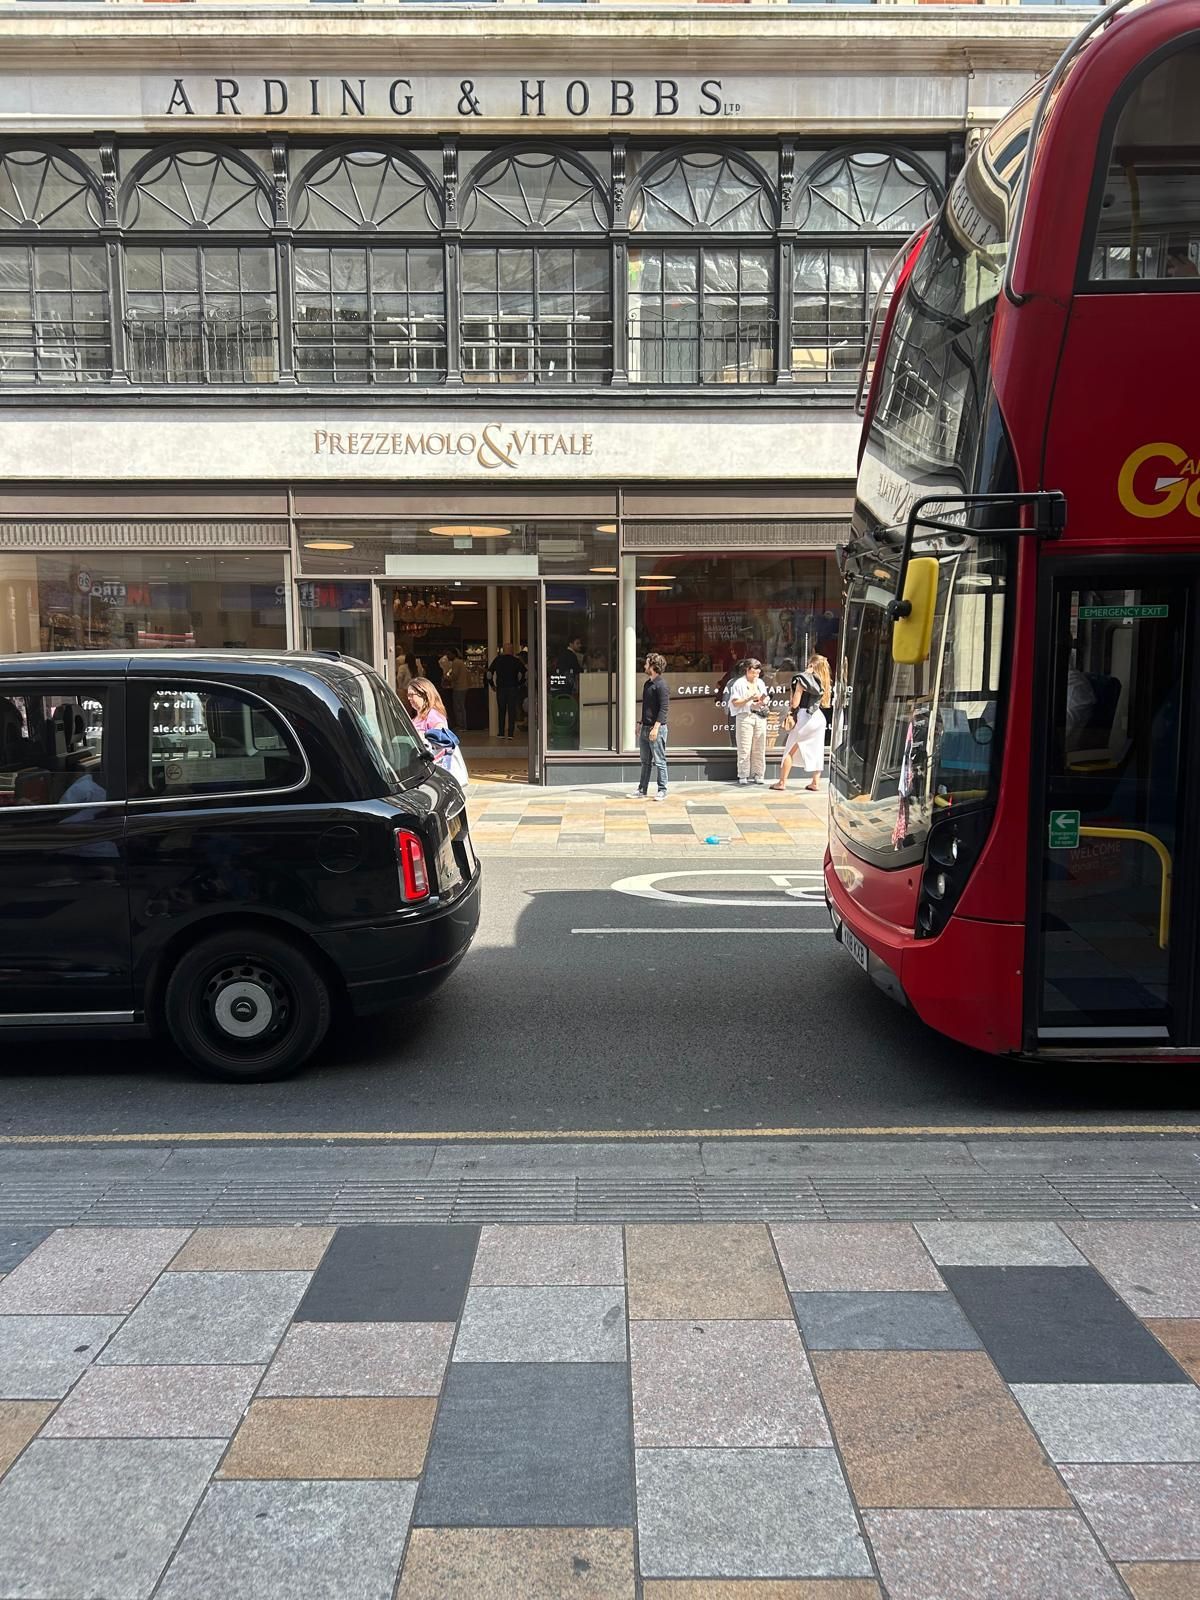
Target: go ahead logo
1159	478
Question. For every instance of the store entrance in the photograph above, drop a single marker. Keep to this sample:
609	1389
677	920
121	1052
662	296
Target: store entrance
474	642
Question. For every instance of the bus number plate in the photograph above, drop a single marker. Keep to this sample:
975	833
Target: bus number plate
855	946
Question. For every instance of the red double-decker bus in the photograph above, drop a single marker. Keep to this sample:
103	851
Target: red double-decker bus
1015	774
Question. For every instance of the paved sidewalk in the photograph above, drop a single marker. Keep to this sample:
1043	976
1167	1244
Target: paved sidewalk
725	1411
603	819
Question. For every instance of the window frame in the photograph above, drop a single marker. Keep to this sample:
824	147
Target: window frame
22	685
534	246
698	245
368	245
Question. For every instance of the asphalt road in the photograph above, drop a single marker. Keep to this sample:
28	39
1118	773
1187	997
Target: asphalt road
547	1028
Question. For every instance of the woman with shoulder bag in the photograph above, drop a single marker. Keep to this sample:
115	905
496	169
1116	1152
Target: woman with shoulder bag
812	694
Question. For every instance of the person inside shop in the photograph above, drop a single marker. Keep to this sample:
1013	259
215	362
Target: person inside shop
456	676
406	671
749	706
506	676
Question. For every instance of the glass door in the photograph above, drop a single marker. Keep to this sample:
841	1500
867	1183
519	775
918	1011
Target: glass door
534	683
1117	905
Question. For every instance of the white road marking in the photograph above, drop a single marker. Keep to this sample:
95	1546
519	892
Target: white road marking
791	932
644	887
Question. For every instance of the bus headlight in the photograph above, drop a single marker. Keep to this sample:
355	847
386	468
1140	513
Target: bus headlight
955	841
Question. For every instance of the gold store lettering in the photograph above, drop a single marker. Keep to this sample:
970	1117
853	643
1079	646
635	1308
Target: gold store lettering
493	446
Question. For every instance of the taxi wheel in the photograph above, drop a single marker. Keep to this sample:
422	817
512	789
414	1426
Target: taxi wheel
246	1006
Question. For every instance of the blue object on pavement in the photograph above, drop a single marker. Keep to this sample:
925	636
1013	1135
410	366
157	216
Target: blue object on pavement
712	839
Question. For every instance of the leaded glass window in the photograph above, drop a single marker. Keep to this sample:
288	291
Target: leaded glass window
54	323
197	189
865	191
367	191
701	316
38	190
833	296
374	315
201	314
534	192
540	315
703	192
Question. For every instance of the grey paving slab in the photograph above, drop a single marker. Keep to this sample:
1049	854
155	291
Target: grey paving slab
530	1445
829	1256
97	1519
1114	1422
1069	1156
545	1324
746	1514
989	1555
1154	1266
41	1357
392	1273
85	1271
901	1321
842	1156
318	1162
1059	1325
733	1384
278	1541
361	1358
17	1243
155	1403
670	1158
999	1244
1141	1513
197	1318
530	1255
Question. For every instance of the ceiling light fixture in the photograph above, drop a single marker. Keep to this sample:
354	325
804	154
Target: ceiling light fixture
464	602
602	569
652	588
606	527
329	544
469	530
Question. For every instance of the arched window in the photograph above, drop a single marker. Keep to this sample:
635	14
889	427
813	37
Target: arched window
870	201
702	313
202	308
54	318
369	310
536	312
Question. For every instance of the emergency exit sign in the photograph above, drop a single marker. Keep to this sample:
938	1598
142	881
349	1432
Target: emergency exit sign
1119	613
1064	830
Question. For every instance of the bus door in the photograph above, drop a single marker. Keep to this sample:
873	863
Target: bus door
1114	931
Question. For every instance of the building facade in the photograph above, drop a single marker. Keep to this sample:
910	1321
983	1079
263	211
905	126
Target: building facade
412	331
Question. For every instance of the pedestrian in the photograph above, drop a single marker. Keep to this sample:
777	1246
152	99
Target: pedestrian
812	694
458	680
750	706
430	719
652	735
406	671
505	676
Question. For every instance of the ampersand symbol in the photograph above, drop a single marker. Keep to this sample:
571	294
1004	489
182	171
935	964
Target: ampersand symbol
468	103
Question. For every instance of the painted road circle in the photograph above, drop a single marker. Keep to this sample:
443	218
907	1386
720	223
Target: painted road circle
770	889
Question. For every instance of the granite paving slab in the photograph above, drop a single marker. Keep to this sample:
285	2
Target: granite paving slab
826	1256
1141	1513
735	1384
1059	1325
1181	1336
734	1513
205	1402
989	1555
920	1428
533	1563
545	1324
530	1445
999	1244
392	1273
361	1358
97	1517
19	1421
1162	1580
284	1541
900	1320
534	1255
704	1270
201	1318
215	1249
17	1243
1114	1422
326	1439
41	1357
89	1271
761	1589
1153	1266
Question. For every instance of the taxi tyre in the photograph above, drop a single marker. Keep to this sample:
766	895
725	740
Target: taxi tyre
246	1006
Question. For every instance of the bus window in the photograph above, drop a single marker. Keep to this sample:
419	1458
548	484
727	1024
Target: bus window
1147	227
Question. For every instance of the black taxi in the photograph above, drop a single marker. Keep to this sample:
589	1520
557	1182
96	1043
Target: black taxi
223	848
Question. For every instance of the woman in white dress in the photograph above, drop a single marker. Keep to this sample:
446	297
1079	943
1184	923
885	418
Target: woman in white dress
812	694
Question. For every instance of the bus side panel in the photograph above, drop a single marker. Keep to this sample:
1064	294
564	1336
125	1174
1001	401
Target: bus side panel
889	896
967	982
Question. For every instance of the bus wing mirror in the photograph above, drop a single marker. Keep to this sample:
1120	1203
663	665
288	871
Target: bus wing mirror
912	630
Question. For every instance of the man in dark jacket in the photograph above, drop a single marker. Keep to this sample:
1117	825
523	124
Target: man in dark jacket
505	676
652	735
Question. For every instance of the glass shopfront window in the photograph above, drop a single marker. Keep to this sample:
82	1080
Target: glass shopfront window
337	616
562	549
100	601
707	614
581	665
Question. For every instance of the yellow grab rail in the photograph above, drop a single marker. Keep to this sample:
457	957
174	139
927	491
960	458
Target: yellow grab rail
1164	861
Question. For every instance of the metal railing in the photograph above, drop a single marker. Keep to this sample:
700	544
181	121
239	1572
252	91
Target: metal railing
52	351
380	352
202	350
536	350
712	350
829	349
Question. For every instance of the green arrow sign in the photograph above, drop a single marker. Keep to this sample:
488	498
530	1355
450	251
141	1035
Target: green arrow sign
1064	830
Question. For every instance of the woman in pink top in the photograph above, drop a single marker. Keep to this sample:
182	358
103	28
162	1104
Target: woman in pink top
425	704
